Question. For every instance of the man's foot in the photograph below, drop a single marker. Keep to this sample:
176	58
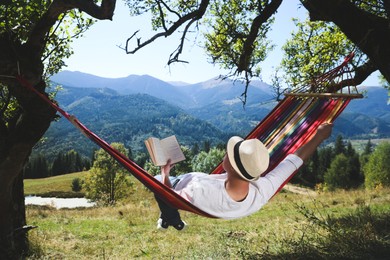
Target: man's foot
162	224
181	226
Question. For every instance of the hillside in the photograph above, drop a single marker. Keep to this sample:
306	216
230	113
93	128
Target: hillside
128	119
130	109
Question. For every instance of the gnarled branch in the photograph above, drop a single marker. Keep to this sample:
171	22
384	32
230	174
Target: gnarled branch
189	18
371	33
263	17
361	73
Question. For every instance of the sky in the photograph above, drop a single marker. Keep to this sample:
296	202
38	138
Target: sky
98	51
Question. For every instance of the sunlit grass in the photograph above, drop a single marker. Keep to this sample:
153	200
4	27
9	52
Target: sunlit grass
278	231
53	186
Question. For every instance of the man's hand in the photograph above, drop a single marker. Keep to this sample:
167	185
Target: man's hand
165	169
324	131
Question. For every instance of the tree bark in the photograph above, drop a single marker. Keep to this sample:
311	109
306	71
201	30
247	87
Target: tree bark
26	126
17	139
369	32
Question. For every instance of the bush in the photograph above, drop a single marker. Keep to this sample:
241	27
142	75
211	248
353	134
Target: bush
76	184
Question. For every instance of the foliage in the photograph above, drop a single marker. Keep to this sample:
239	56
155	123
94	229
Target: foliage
377	169
70	25
39	166
336	166
230	24
107	181
77	184
337	175
312	50
207	161
69	162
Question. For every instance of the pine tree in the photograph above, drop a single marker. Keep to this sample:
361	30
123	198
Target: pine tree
339	147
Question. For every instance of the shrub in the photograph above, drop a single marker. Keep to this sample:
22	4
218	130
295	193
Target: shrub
76	184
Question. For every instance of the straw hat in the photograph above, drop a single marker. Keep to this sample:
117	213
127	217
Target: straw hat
249	158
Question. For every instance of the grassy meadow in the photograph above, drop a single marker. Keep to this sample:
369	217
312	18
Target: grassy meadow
338	225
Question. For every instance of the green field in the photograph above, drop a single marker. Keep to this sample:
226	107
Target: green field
57	186
338	225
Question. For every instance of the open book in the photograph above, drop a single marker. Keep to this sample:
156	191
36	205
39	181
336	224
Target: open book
162	150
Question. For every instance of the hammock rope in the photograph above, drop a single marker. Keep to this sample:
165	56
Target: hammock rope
291	123
143	176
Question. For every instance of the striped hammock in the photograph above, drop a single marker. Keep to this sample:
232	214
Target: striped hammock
287	127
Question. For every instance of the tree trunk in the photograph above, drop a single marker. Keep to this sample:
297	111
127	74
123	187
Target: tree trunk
19	132
369	32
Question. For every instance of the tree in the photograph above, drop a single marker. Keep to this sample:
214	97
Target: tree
377	169
76	184
365	23
339	147
337	175
364	157
207	161
37	167
34	39
107	181
69	162
325	157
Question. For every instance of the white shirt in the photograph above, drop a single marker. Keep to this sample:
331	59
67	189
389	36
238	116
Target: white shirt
207	191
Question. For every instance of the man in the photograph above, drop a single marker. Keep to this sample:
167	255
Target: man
240	191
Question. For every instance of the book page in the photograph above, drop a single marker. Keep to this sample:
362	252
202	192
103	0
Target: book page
172	149
156	151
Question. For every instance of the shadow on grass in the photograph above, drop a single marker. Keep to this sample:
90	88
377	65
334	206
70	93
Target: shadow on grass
361	234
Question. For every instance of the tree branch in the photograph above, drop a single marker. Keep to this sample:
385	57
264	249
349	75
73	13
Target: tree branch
190	18
264	15
361	73
36	39
371	33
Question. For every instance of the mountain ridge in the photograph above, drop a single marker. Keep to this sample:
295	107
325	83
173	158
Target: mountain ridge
197	113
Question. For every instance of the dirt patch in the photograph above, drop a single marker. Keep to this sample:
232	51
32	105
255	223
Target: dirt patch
299	190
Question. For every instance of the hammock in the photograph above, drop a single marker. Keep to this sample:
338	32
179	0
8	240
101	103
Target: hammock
287	127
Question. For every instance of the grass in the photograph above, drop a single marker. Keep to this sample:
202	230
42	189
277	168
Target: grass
57	186
337	225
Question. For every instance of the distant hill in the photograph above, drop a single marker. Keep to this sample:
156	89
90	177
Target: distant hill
128	119
130	109
132	84
183	95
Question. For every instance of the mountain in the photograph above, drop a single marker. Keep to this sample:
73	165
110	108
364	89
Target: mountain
129	119
130	109
374	104
132	84
226	91
178	93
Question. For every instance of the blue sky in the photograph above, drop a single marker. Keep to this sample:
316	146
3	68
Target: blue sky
97	52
